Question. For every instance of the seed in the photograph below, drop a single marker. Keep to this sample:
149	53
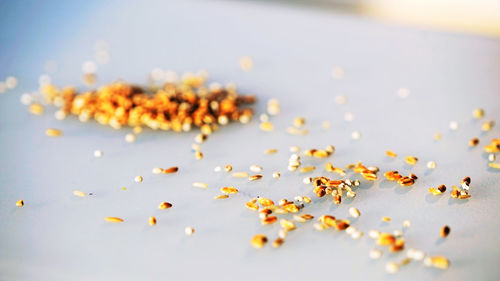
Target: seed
434	191
20	203
307	169
138	179
137	130
413	176
325	125
290	207
265	202
445	230
356	135
415	254
491	157
269	220
256	168
258	241
454	125
266	126
478	113
229	190
200	184
398	245
53	132
492	148
152	220
246	63
36	109
157	171
228	168
113	219
294	149
405	261
474	142
278	242
252	205
386	219
321	153
375	254
340	99
391	267
374	234
337	199
441	188
406	181
171	170
406	224
287	224
79	193
217	169
486	126
98	153
386	239
299	122
271	151
368	175
437	136
411	160
224	196
164	205
307	180
354	212
130	138
391	154
198	155
276	175
240	174
189	230
466	182
440	262
320	226
392	175
494	165
431	165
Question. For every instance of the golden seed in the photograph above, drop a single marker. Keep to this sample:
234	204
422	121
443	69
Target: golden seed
200	184
229	190
392	175
354	212
391	154
492	148
386	219
269	220
437	136
478	113
441	188
258	241
368	175
440	262
157	170
434	191
486	126
337	199
240	174
431	165
328	220
164	205
494	165
113	219
290	207
287	224
375	254
245	63
36	109
198	155
299	122
398	245
474	142
406	181
53	132
276	175
137	130
445	230
271	151
189	230
299	218
265	202
307	200
386	239
20	203
228	168
171	170
266	126
252	205
152	220
307	169
130	138
325	125
411	160
79	193
278	242
321	153
223	196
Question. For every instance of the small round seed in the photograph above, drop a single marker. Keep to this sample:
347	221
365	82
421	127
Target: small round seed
138	179
478	113
406	224
356	135
258	241
431	165
152	221
98	153
391	267
454	125
189	230
354	212
276	175
20	203
130	138
445	231
375	254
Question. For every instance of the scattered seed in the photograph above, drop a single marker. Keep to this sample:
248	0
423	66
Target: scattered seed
138	179
354	212
258	241
246	63
157	170
252	205
20	203
223	196
473	142
307	169
266	126
228	168
338	72
130	138
256	168
240	174
98	154
478	113
431	165
36	109
299	122
494	165
164	205
491	157
271	151
406	224
53	132
217	169
375	254
294	149
440	262
113	219
486	126
445	231
386	219
269	220
278	242
356	135
152	221
276	175
79	193
391	267
171	170
189	230
437	136
229	190
198	155
325	125
265	202
411	160
454	125
200	184
403	93
391	154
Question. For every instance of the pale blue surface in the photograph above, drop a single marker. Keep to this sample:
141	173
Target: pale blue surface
58	236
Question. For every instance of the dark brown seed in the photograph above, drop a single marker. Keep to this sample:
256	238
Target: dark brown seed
445	231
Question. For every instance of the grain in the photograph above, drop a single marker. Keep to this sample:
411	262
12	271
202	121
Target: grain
266	126
454	125
411	160
276	175
386	219
354	212
228	168
271	151
224	196
478	113
486	126
391	154
171	170
20	203
278	242
79	193
494	165
53	132
307	169
113	219
130	138
189	230
229	190
152	221
256	168
431	165
36	109
445	231
406	224
157	170
269	220
391	267
265	202
375	254
356	135
245	63
258	241
240	174
138	179
473	142
98	153
165	205
198	155
200	184
287	224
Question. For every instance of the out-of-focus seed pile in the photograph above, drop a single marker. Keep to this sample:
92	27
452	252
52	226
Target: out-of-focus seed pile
180	106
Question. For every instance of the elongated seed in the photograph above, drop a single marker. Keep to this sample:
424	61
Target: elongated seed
254	177
391	267
278	242
79	193
287	224
271	151
200	184
113	219
240	174
386	239
223	196
431	165
354	212
386	219
53	132
307	169
198	155
171	170
474	142
391	154
256	168
269	220
165	205
157	170
252	205
411	160
494	165
229	190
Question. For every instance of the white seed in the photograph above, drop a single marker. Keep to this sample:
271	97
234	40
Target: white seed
276	175
307	180
403	93
398	233
282	233
11	82
391	267
217	169
130	138
356	234
348	117
374	234
340	99
491	157
454	125
157	170
294	149
189	230
427	261
89	67
98	153
26	99
375	254
60	115
431	165
406	224
264	117
200	184
354	212
256	168
356	135
138	179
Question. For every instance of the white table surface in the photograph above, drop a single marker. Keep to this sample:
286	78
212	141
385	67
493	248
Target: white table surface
58	236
